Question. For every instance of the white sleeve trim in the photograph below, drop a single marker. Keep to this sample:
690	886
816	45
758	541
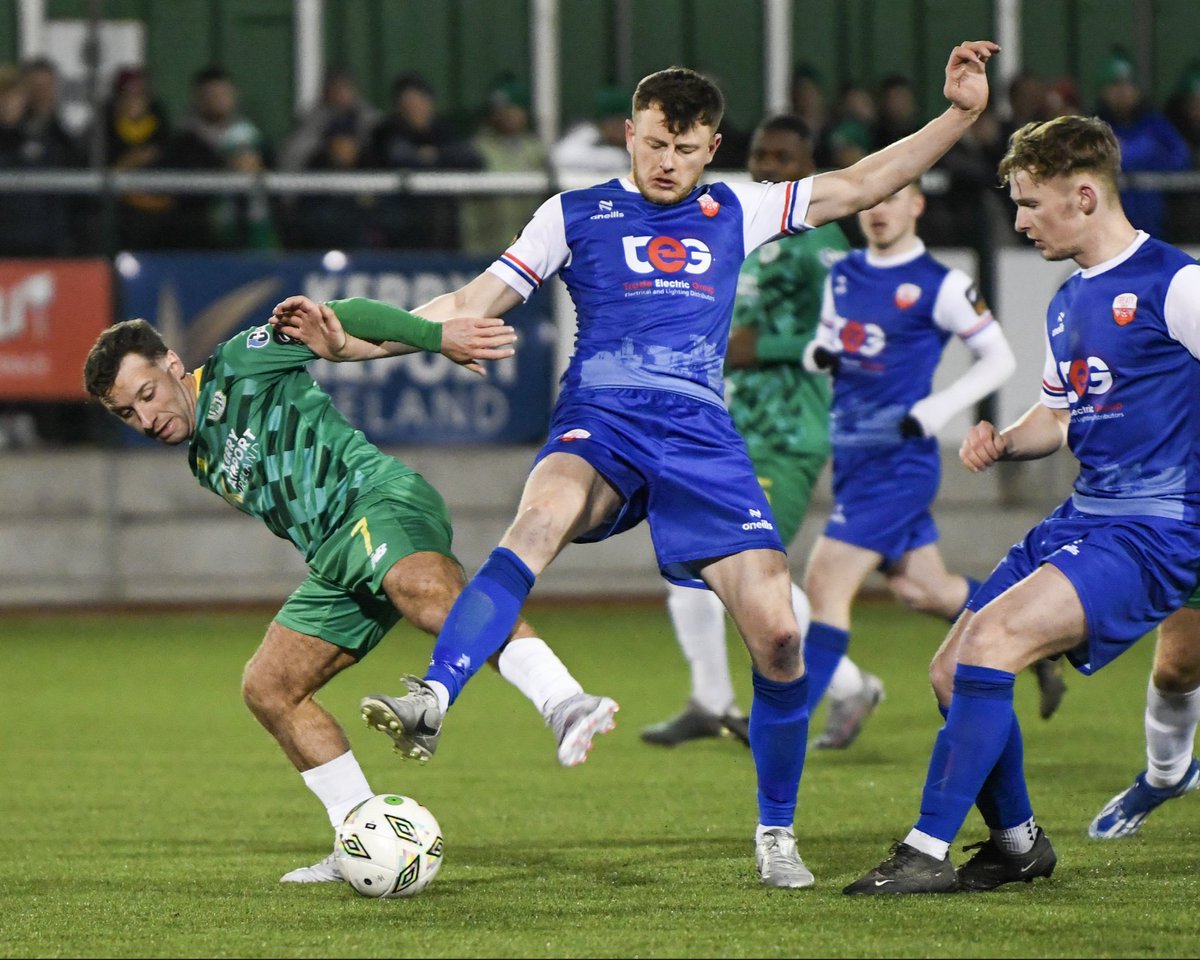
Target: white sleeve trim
771	210
1182	308
1054	394
538	253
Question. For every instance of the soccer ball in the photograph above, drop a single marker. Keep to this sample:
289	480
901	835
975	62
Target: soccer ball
389	846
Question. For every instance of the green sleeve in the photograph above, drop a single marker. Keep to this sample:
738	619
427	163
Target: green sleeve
780	347
372	320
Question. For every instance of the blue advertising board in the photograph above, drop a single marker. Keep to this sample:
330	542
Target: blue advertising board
197	300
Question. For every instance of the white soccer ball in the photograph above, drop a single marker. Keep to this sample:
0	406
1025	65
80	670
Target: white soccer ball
389	846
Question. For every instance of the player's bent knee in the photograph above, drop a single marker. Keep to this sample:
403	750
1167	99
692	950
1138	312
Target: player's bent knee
776	655
1177	678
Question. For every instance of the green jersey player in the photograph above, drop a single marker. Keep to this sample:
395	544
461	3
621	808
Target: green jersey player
376	536
782	412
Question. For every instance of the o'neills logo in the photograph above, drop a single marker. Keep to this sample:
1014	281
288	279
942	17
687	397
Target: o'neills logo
1125	308
708	206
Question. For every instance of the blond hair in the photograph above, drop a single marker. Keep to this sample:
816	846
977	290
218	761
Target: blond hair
1063	146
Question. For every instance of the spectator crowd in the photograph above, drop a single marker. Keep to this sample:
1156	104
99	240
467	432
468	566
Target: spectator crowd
344	133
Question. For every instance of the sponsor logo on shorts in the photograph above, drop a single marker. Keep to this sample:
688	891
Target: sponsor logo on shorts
576	434
1124	308
757	521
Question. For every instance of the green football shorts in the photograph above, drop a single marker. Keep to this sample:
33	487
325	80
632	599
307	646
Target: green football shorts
1193	602
788	480
342	600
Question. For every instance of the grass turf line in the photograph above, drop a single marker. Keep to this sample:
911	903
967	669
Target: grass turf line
149	815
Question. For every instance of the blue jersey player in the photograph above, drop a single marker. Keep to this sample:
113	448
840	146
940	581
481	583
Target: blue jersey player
1119	389
888	314
640	430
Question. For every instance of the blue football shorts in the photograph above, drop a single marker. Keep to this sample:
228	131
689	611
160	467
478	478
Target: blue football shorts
882	496
679	464
1129	572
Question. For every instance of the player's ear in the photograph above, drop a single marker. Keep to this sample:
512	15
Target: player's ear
712	146
175	365
1088	198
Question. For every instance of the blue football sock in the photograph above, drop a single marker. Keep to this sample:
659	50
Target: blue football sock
972	586
824	647
967	748
778	740
1004	799
480	620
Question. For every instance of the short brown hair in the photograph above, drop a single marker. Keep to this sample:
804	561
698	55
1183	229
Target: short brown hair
113	346
685	97
1062	146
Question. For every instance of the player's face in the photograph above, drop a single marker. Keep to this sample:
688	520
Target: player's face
666	165
777	155
892	223
156	397
1049	213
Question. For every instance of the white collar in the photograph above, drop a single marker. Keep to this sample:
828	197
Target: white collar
1120	258
896	259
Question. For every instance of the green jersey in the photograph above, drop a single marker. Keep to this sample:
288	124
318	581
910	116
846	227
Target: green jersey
778	405
270	441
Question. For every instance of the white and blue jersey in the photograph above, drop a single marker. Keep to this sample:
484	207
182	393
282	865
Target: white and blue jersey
1113	357
642	397
653	285
1123	344
889	319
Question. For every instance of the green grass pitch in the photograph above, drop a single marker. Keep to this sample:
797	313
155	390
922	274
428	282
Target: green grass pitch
147	814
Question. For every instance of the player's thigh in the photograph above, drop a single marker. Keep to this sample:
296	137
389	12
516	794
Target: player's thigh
836	570
423	587
290	666
1177	652
564	496
1040	616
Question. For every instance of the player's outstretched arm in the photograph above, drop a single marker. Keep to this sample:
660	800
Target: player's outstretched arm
485	296
360	329
1041	431
840	193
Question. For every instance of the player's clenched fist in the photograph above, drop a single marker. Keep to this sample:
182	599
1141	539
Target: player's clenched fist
982	446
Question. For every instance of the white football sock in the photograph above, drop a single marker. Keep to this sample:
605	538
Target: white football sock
1170	734
532	667
760	830
699	619
938	849
847	680
442	694
801	608
1018	839
339	784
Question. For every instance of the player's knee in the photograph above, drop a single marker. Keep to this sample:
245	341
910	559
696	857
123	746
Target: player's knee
941	676
911	593
261	693
990	640
776	653
1175	676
